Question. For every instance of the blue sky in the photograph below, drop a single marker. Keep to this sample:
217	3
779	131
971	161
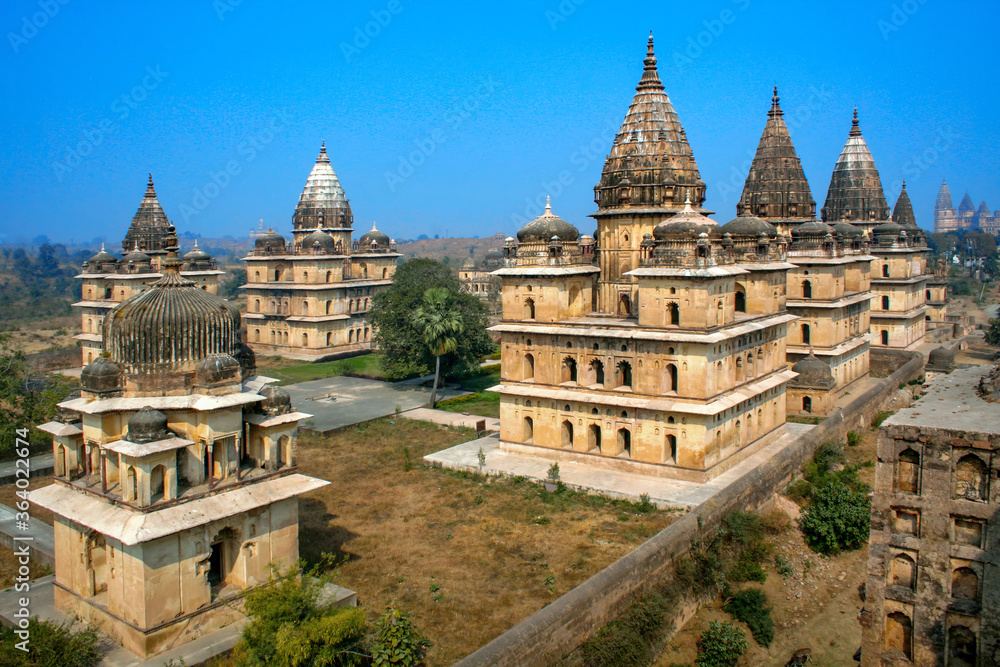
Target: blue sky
456	118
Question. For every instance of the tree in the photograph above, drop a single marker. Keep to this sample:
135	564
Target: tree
50	644
721	645
993	332
942	242
837	519
290	627
441	326
401	339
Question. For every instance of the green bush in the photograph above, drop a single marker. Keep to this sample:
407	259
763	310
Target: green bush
853	438
879	418
629	639
750	606
50	645
721	645
395	640
837	519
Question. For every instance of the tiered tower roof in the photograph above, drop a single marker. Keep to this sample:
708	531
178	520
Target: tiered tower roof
903	212
148	230
650	165
855	192
966	207
776	187
323	203
943	201
983	210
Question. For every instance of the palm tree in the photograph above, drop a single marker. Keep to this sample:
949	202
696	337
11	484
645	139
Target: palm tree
441	326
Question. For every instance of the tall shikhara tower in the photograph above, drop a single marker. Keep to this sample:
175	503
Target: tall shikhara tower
855	192
148	231
945	215
776	188
648	176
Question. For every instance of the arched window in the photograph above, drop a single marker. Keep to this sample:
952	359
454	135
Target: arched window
256	305
528	431
569	370
908	471
305	340
885	270
574	294
594	438
903	572
284	451
807	404
885	303
529	309
807	289
305	307
625	442
672	448
624	305
329	338
885	337
623	374
350	336
805	334
256	335
385	273
927	295
277	275
961	647
675	314
272	338
965	584
130	484
156	483
741	299
971	479
671	377
529	367
97	564
567	434
329	276
899	633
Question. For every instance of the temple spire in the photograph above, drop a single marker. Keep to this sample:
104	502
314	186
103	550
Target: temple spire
650	77
855	128
903	212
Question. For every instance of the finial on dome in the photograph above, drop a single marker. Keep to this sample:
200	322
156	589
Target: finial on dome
135	246
855	128
775	108
150	190
650	78
323	157
102	246
548	205
373	226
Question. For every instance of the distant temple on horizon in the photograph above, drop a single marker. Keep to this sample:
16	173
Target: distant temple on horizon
967	217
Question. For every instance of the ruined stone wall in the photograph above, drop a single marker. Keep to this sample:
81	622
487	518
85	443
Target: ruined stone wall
46	362
885	361
562	626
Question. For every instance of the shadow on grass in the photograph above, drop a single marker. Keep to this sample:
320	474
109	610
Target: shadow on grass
321	540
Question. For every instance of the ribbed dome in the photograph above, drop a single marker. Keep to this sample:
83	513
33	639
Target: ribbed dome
888	229
381	239
270	241
197	255
276	401
217	368
170	326
812	229
941	356
101	376
749	226
847	230
812	371
320	240
137	256
545	226
102	257
687	223
147	425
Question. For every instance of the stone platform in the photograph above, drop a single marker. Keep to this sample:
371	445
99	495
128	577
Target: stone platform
665	493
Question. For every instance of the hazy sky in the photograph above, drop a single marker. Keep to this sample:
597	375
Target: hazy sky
453	118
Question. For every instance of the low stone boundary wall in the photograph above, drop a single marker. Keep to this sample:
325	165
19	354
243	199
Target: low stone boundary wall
554	631
885	361
54	360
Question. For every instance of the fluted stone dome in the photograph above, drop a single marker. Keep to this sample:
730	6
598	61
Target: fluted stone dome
276	401
748	225
545	226
888	229
170	327
147	425
812	229
687	223
102	257
270	240
216	368
847	230
812	372
136	255
318	239
469	263
941	357
101	376
381	239
197	255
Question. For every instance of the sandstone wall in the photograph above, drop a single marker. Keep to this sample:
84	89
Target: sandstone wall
562	626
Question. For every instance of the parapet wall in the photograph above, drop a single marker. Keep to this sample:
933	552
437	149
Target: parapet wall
559	628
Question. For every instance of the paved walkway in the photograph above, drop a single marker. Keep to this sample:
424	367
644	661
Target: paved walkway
338	402
38	535
616	484
452	418
39	465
